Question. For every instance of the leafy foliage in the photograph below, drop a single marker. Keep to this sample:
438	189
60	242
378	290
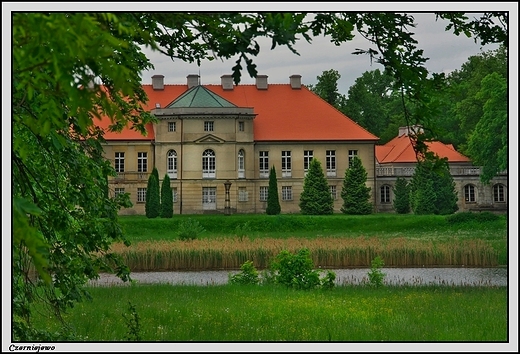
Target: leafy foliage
469	217
354	192
375	275
297	271
190	229
153	202
273	201
327	88
315	198
166	198
401	196
132	321
432	189
247	275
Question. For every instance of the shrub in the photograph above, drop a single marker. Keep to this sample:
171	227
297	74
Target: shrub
296	271
248	275
375	275
273	202
355	193
189	229
166	198
241	230
153	197
402	196
315	198
467	217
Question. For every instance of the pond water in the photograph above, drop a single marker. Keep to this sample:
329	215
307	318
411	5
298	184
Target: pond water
393	276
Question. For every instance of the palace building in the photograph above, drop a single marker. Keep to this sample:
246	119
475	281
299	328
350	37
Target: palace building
217	143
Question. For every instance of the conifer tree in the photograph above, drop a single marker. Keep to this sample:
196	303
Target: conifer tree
153	197
166	198
401	196
355	193
273	202
315	198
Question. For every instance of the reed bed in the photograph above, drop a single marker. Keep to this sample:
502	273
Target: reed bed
326	252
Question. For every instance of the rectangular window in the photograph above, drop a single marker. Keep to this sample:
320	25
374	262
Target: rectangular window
142	161
331	163
120	162
286	164
385	194
264	164
209	198
242	194
286	193
498	193
240	126
175	195
307	157
141	195
208	126
263	193
333	192
171	126
118	191
351	155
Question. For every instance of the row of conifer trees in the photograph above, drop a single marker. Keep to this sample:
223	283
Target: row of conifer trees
158	202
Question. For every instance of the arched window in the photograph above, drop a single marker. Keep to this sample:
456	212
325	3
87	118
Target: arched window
469	193
385	194
498	193
171	164
241	164
208	164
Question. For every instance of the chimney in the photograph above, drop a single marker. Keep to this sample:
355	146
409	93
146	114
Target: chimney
261	82
296	81
193	80
227	82
158	82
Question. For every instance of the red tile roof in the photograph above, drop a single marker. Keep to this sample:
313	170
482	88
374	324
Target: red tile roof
400	150
283	113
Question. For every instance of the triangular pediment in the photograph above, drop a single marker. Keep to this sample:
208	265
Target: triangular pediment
210	138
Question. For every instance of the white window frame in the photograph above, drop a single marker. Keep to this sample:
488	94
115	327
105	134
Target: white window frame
331	163
171	164
499	195
470	194
172	126
241	126
263	164
333	192
384	194
286	164
209	126
242	194
287	193
118	191
307	158
209	164
141	195
351	155
119	162
142	162
209	198
264	192
241	163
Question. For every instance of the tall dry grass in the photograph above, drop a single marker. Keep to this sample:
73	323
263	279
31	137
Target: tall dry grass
327	252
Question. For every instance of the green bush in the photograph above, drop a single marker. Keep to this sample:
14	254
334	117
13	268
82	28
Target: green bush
153	197
166	198
273	202
315	198
468	217
248	275
375	275
190	229
296	271
354	192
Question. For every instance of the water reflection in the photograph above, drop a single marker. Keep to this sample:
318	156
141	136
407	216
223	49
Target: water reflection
394	276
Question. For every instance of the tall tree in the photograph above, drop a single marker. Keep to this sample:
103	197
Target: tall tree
327	88
488	143
401	196
166	198
372	102
153	198
63	223
273	201
355	193
315	198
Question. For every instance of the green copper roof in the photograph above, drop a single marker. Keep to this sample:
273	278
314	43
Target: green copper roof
199	96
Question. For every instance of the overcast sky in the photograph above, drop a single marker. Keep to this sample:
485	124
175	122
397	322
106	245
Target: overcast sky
447	52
